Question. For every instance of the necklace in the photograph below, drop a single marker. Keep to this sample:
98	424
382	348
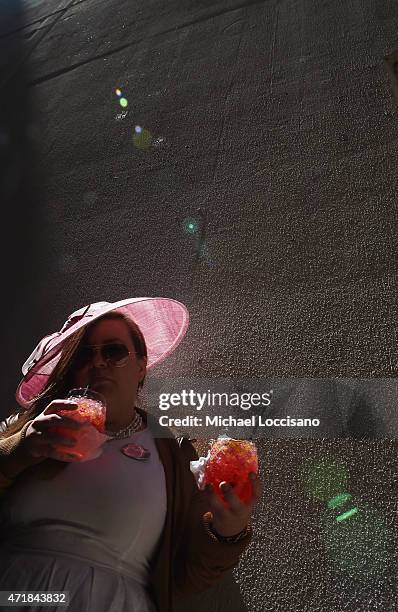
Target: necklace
132	427
134	451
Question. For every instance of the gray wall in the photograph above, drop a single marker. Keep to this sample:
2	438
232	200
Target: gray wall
277	120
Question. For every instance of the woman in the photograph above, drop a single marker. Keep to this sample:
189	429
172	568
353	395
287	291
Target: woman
116	533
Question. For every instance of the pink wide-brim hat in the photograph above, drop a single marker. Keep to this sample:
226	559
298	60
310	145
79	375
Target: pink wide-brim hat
162	321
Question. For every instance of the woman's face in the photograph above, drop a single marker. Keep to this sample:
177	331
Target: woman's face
118	384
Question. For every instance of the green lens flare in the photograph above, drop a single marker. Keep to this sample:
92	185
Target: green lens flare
363	547
190	225
346	515
123	102
339	500
324	479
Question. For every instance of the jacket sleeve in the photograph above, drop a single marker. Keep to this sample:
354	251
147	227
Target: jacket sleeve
202	561
9	452
12	418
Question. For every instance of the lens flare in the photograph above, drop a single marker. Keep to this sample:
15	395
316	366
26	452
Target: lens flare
142	138
359	542
123	102
324	479
339	500
190	225
118	93
346	515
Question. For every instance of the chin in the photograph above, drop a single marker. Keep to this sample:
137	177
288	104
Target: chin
100	383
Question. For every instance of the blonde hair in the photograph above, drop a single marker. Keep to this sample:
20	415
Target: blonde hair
59	381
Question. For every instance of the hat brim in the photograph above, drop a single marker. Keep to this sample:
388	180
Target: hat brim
162	321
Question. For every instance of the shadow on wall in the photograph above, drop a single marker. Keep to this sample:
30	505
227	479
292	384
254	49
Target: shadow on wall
391	65
15	157
20	223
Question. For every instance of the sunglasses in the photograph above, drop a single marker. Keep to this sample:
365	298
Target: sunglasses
114	354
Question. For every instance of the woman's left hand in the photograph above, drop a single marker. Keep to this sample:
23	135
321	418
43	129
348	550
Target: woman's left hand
230	519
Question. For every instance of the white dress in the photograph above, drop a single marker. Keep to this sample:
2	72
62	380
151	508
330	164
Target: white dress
90	530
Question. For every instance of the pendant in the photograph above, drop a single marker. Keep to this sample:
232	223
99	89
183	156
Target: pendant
136	451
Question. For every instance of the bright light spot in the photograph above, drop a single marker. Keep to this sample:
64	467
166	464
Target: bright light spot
123	102
190	225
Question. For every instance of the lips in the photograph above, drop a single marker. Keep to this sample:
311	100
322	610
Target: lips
99	381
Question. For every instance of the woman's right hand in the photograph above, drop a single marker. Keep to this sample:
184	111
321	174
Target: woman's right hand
42	438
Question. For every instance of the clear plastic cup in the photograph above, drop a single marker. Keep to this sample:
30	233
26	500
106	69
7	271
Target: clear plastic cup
91	412
91	407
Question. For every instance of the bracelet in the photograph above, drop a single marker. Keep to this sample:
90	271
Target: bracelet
207	518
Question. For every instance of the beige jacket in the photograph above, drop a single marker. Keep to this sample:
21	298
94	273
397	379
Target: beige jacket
187	560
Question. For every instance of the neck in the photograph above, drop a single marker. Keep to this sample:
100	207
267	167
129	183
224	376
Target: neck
121	422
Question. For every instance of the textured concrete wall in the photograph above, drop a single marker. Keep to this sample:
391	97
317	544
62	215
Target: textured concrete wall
274	128
278	122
